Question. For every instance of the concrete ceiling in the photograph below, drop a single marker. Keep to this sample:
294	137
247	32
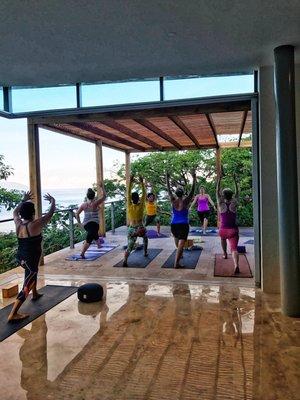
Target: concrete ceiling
46	42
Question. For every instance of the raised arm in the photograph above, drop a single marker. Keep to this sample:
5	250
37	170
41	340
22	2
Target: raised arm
102	198
143	186
194	201
129	189
192	191
236	187
218	190
169	187
78	212
46	218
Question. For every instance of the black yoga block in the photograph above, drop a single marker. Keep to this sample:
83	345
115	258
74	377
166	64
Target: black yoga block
90	292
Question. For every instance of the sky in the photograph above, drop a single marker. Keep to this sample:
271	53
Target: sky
68	163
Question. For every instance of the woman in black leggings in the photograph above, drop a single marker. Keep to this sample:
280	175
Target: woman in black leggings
91	217
29	248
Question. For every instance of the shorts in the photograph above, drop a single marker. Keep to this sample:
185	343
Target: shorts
92	229
180	231
202	215
151	219
232	235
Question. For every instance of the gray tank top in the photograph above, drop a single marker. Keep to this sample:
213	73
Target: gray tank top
90	215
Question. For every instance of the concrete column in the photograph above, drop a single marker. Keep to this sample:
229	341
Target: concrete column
270	275
100	178
288	218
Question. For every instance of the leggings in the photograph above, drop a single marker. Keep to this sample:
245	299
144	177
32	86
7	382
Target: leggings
31	266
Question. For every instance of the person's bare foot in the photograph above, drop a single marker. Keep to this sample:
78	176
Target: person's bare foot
225	256
178	266
125	265
37	296
146	254
82	256
17	317
236	271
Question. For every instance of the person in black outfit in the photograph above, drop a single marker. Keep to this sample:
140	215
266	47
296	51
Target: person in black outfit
29	251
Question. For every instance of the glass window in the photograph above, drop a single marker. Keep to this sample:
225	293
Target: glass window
187	88
49	98
1	99
120	93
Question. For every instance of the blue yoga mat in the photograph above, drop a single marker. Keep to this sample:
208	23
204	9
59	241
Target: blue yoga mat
189	260
152	234
250	241
92	254
199	232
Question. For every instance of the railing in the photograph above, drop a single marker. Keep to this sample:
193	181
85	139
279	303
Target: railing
71	215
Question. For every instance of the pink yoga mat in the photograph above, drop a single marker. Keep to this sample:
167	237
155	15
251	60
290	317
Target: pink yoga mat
226	267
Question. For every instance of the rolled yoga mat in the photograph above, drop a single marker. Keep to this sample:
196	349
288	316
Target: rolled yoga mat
138	260
226	268
52	295
189	260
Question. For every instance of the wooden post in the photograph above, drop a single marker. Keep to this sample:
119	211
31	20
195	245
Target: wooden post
127	176
35	169
100	178
219	171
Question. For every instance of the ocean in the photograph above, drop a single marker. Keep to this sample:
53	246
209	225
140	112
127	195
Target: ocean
63	197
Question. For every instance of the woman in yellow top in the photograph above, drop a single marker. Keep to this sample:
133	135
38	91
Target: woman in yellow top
135	211
151	212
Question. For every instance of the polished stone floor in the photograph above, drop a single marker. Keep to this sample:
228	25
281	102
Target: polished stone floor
150	340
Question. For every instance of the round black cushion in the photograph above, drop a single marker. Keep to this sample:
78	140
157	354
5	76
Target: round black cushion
90	292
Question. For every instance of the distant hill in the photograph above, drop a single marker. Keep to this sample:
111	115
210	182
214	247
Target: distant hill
13	185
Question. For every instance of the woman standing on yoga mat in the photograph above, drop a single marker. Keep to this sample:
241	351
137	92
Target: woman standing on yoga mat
135	212
91	217
29	251
227	205
180	217
202	199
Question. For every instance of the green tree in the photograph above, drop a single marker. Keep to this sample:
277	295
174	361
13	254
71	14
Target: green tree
8	198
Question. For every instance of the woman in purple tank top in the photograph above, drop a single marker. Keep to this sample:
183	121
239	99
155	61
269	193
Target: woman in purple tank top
202	199
227	207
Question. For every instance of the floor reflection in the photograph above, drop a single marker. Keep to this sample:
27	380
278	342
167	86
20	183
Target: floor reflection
188	344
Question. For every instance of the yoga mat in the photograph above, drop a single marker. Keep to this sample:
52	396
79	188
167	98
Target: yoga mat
91	254
137	259
251	241
246	234
198	232
152	234
53	295
226	268
189	260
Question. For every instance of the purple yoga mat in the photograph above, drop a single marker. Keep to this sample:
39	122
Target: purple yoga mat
152	234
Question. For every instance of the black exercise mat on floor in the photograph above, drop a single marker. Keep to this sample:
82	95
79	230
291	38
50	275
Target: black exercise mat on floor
137	259
52	295
189	260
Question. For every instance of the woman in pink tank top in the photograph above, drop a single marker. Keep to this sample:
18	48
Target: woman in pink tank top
227	207
203	200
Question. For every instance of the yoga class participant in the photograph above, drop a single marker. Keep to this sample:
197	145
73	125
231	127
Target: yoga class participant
227	206
91	217
135	212
151	212
29	251
202	199
180	217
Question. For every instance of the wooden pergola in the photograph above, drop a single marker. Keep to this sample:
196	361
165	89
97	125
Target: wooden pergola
164	126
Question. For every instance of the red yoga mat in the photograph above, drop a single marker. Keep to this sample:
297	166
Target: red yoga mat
226	267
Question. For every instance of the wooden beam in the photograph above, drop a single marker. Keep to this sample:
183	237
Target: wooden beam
212	127
99	180
129	132
35	169
106	135
147	124
245	113
67	133
127	178
178	122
